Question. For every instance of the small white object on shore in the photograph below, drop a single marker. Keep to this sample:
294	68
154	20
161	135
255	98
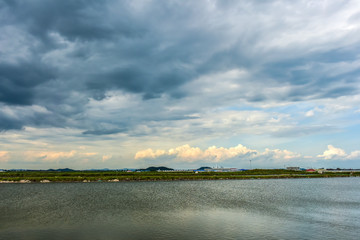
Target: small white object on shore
7	181
114	180
24	181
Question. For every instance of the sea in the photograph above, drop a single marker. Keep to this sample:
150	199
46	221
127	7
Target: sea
325	208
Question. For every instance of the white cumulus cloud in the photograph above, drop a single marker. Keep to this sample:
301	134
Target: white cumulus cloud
186	153
281	154
339	154
332	153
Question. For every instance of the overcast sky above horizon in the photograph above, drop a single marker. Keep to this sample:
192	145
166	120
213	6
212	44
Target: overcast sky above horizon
114	84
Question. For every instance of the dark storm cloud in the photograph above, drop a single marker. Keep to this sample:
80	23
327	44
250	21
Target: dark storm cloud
76	50
16	117
152	70
141	79
313	75
7	123
17	81
76	19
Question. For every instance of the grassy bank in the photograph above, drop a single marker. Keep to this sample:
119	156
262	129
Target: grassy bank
96	176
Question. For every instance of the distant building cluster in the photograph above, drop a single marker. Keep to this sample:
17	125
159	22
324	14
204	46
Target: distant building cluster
323	170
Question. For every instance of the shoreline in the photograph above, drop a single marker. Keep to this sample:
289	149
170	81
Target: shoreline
146	176
155	179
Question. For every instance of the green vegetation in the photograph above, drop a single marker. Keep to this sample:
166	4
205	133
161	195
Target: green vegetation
94	176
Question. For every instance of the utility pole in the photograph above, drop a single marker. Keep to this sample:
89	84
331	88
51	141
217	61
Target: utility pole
250	164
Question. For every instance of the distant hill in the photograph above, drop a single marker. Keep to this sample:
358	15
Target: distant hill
152	169
61	170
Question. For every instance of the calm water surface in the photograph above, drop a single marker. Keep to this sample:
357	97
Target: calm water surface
238	209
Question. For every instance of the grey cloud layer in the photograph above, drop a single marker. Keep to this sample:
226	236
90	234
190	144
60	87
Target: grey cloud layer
61	55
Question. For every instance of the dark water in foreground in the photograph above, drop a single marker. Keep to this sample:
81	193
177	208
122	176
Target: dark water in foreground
238	209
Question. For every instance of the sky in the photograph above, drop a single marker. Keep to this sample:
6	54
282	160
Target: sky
127	84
